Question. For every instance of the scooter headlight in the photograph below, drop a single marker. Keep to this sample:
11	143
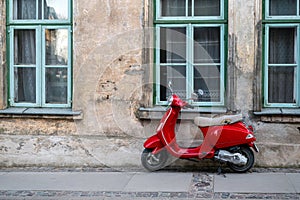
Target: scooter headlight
170	100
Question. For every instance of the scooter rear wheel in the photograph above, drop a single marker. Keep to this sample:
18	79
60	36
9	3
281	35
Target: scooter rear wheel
248	153
154	162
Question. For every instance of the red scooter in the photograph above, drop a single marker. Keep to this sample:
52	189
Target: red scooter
227	139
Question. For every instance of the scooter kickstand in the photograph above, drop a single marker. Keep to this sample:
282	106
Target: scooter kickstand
220	172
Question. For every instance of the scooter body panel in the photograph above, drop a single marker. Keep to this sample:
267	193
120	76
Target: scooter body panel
227	136
215	137
216	144
153	142
161	140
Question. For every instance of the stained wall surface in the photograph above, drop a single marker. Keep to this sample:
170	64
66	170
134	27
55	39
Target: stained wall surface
113	77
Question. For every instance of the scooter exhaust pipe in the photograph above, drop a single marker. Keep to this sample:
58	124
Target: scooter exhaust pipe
235	158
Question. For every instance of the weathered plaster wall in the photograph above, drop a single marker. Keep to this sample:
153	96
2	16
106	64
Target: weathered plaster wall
107	87
241	31
108	43
111	76
278	141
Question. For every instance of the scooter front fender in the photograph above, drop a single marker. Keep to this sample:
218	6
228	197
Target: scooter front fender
153	143
254	146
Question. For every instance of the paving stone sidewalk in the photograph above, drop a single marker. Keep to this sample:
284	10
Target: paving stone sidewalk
43	183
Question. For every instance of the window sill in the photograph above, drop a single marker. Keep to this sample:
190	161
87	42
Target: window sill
284	115
186	114
47	113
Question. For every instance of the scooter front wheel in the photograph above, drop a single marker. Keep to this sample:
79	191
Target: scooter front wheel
154	162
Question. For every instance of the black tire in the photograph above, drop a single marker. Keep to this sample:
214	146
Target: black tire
154	162
248	153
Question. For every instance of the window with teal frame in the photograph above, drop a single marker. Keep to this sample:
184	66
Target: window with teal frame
40	53
281	50
190	50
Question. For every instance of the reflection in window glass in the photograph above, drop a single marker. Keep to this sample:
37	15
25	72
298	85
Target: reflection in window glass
33	9
56	85
56	46
56	9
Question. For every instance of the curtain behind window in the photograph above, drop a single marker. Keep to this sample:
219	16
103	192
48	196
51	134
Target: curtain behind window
282	7
25	54
281	78
173	7
207	60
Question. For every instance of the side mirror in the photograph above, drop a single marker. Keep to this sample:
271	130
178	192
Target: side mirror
194	96
170	86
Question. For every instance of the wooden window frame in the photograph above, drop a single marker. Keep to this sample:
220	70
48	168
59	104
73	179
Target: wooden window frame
39	25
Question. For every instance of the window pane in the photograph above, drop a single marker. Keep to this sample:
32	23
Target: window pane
207	8
173	7
282	45
24	47
207	45
56	9
207	83
176	74
281	85
282	7
56	85
56	46
24	9
173	45
25	85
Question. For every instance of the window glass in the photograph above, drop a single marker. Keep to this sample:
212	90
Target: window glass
190	8
25	84
190	53
56	46
207	83
24	47
206	44
24	10
40	9
281	45
173	45
173	7
40	66
56	9
56	85
282	63
280	7
281	84
176	74
207	8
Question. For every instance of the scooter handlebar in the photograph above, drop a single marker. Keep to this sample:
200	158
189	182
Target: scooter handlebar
187	105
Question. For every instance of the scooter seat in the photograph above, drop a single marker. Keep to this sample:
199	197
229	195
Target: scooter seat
217	121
